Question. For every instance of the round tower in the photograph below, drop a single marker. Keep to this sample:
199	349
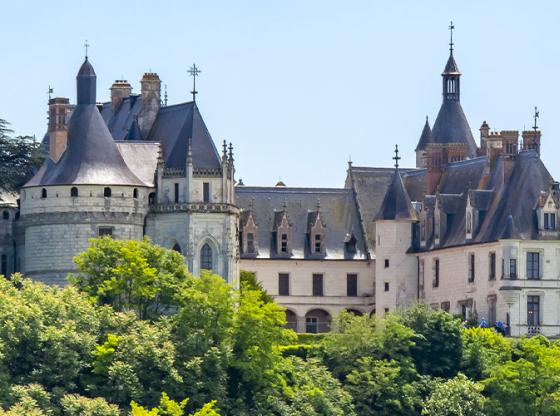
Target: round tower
89	192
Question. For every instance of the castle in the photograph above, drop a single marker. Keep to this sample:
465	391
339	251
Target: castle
472	229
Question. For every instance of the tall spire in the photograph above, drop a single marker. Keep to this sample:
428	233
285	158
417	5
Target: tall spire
86	83
451	74
451	27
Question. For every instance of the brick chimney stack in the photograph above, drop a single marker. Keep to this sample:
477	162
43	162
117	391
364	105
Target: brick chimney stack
59	114
532	140
120	90
151	102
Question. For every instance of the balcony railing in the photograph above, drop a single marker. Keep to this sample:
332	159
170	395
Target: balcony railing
533	329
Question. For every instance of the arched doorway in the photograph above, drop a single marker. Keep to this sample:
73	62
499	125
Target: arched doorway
291	320
355	312
317	321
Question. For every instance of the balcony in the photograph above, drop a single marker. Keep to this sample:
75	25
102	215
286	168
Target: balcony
206	207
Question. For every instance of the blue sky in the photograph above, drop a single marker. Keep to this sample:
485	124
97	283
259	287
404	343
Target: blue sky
297	86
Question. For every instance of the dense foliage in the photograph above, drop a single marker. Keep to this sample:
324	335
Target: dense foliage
20	157
136	334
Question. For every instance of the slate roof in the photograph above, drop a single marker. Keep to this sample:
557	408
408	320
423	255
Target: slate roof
173	127
141	157
91	155
425	136
451	126
451	67
338	213
8	199
396	204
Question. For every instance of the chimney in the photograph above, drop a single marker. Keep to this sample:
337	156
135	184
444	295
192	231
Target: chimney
59	114
119	91
510	142
532	140
151	102
434	164
484	132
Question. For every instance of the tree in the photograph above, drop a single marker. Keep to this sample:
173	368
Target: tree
20	157
168	407
455	397
483	349
528	385
131	275
438	346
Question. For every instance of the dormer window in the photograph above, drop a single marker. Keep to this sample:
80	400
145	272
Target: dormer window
249	236
250	243
550	221
318	247
316	233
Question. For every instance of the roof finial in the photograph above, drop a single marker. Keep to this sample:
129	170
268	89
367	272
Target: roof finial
318	204
224	150
49	92
86	47
165	96
451	27
396	158
535	117
194	71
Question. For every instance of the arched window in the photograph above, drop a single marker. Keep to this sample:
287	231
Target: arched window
6	215
43	193
107	192
135	193
206	257
152	198
74	192
177	248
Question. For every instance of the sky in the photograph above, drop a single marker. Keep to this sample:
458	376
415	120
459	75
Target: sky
298	87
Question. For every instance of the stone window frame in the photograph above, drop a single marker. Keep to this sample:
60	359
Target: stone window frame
471	267
106	231
436	271
250	227
317	230
285	228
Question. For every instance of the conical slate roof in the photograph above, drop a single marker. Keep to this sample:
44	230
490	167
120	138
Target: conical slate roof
91	156
396	203
451	126
451	68
425	137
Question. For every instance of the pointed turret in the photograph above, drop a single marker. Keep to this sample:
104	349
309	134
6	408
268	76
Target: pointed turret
425	136
86	83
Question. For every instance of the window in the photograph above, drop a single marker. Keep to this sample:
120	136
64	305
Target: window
469	222
317	284
446	306
435	282
311	325
4	265
513	268
533	265
492	310
43	193
386	263
206	192
177	248
105	231
386	310
6	215
74	192
135	193
318	244
206	257
107	192
386	286
421	274
250	243
284	284
176	193
284	243
492	265
471	267
533	310
351	284
549	221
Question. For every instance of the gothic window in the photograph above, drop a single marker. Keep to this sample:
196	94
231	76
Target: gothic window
43	193
107	192
74	192
6	215
206	257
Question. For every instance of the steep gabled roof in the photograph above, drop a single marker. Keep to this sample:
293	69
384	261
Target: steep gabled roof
396	204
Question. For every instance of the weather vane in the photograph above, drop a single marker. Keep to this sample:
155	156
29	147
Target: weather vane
451	27
194	71
86	47
535	117
396	158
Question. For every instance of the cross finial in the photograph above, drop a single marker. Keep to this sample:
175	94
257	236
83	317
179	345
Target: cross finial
49	92
451	27
165	96
396	158
535	117
86	47
194	71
